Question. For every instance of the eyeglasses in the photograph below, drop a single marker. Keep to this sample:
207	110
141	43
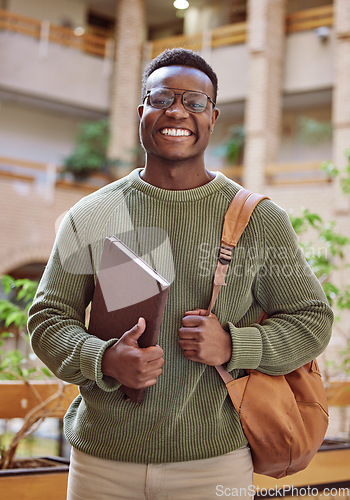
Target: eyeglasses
193	101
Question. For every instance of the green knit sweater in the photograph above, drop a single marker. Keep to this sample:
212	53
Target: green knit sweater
187	414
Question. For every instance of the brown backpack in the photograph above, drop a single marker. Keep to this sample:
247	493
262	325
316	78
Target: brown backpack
284	417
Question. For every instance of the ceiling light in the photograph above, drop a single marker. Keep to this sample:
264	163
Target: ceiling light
181	4
79	31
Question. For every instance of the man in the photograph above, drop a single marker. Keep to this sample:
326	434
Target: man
185	440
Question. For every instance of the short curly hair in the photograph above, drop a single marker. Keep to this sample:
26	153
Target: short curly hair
179	57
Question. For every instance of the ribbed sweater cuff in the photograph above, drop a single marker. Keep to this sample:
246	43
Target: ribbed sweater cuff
91	360
246	348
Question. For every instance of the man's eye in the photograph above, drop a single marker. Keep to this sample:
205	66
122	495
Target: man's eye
195	105
160	100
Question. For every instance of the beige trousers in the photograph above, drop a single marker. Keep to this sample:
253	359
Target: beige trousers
92	478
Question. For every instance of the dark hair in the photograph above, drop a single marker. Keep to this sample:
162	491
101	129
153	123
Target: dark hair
180	57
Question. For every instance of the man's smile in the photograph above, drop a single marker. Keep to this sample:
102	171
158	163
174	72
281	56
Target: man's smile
175	132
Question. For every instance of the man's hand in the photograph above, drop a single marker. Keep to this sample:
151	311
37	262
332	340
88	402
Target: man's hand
129	364
203	339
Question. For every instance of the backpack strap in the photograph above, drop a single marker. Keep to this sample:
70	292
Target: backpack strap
235	222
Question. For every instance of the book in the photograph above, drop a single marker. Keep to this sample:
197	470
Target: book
127	288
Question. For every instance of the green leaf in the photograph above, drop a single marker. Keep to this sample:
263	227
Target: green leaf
14	317
329	169
298	223
6	335
46	371
313	219
7	283
344	300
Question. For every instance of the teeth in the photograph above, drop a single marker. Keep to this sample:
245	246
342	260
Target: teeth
175	132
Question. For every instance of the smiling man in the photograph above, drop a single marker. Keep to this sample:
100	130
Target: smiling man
185	440
176	125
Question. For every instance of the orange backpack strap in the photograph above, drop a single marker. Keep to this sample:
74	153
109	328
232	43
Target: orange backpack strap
235	222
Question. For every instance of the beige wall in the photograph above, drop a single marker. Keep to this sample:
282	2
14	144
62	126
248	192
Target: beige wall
308	66
231	65
59	74
34	134
308	62
294	148
205	17
52	10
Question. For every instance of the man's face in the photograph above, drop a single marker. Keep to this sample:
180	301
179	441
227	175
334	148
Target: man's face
176	134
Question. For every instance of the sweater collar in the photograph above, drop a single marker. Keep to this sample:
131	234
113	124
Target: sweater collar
195	194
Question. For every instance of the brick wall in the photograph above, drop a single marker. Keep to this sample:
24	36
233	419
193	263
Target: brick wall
130	16
263	106
27	221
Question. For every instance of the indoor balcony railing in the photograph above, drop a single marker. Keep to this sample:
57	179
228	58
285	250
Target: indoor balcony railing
232	34
284	174
98	44
49	174
101	44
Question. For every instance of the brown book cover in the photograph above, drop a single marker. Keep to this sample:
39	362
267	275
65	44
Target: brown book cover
127	288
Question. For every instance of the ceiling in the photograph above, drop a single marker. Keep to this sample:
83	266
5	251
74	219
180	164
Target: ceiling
158	12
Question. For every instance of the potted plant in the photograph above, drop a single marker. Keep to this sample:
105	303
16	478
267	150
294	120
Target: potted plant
27	391
333	258
232	148
90	155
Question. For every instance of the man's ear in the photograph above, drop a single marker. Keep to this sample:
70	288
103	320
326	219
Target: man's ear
140	110
214	117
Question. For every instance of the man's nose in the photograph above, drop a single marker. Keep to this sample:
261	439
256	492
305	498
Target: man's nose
177	109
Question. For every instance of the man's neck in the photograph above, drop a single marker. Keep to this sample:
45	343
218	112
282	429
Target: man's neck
178	177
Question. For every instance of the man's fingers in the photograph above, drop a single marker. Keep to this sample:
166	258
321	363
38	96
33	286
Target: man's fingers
150	382
192	356
196	312
135	332
191	321
189	344
188	333
155	363
131	337
152	353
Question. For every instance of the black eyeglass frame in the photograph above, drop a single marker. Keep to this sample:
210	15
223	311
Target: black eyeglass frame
209	99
